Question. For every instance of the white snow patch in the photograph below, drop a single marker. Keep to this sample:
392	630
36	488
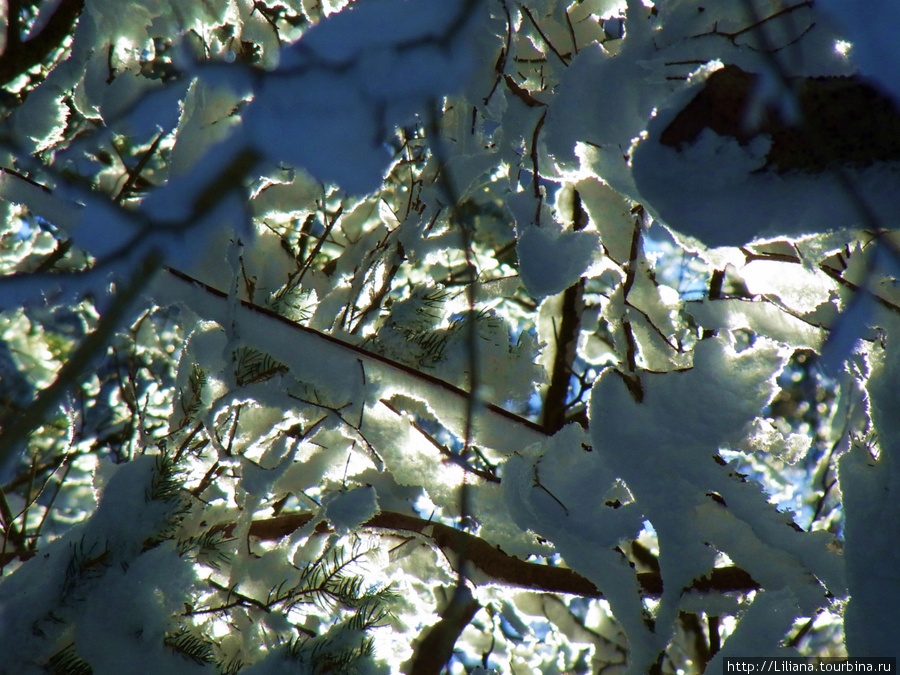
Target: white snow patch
340	90
663	448
347	510
871	28
714	190
550	262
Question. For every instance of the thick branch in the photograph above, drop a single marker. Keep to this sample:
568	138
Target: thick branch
554	412
436	645
21	56
501	567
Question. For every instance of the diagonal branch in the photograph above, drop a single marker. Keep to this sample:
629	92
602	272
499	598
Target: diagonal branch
14	436
324	360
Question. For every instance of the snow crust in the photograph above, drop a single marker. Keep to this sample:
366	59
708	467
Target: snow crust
346	511
324	362
558	490
761	317
712	190
329	106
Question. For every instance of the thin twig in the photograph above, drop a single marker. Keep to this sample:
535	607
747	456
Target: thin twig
13	438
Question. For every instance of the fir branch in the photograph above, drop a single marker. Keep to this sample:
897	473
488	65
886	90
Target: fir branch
207	548
372	612
230	592
327	582
85	563
68	662
252	365
190	646
165	485
329	653
192	401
